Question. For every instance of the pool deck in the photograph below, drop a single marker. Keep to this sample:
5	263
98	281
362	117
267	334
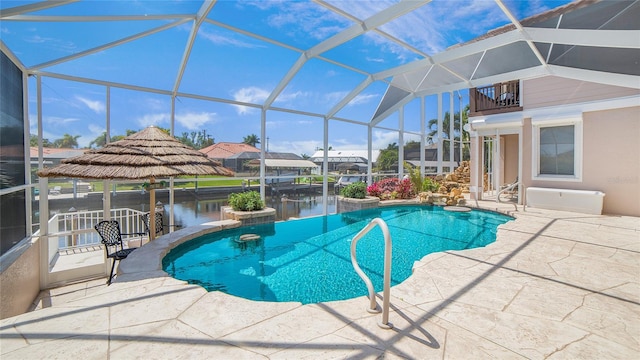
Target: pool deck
554	285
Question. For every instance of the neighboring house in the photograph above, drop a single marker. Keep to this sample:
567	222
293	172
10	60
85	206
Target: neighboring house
356	159
431	158
243	158
53	156
561	134
232	155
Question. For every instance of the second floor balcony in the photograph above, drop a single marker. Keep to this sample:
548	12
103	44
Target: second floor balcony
495	99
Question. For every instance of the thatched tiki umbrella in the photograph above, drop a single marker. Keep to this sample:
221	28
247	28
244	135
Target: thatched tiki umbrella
147	154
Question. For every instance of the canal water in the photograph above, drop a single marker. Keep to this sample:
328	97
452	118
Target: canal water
196	209
194	212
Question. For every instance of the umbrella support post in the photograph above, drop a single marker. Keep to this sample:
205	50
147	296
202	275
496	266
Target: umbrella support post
152	211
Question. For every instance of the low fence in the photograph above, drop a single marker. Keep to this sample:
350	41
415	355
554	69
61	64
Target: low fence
76	229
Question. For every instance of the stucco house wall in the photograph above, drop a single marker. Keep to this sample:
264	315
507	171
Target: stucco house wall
551	91
610	143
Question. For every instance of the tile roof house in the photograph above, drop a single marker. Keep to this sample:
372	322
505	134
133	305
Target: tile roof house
224	150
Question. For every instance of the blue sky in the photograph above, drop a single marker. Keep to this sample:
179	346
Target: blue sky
231	65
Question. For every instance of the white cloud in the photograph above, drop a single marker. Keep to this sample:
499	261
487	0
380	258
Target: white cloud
153	119
226	40
334	97
381	139
306	19
51	43
189	120
96	130
299	147
252	95
363	99
292	96
154	104
59	121
95	105
195	121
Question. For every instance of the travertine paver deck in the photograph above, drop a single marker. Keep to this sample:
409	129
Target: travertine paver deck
553	285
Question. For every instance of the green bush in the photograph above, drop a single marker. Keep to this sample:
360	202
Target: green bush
430	185
246	201
357	190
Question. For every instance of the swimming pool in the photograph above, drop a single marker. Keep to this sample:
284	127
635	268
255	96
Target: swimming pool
308	260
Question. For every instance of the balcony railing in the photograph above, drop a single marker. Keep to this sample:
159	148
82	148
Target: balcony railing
495	99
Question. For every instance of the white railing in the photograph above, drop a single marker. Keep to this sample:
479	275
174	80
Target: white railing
76	229
373	306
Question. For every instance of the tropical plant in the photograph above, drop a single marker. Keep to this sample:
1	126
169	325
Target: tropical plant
246	201
446	129
33	141
356	190
67	141
197	140
419	182
374	190
430	185
101	140
392	188
252	140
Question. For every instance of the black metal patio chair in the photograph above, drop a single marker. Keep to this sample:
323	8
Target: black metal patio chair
159	223
109	231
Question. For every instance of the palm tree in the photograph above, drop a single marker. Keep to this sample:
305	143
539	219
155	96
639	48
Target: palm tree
101	140
433	127
252	140
67	141
33	141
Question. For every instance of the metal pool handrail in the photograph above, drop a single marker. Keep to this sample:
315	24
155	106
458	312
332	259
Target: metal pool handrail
373	307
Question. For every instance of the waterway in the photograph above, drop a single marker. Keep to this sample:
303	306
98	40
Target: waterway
193	208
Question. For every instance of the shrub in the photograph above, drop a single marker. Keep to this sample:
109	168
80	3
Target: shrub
405	189
374	190
392	188
246	201
430	185
357	190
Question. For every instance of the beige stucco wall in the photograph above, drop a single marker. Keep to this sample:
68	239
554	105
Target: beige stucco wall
611	159
552	91
510	144
20	279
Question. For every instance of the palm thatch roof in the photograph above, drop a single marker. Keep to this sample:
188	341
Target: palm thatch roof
150	153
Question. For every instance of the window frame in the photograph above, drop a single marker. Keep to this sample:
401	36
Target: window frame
537	125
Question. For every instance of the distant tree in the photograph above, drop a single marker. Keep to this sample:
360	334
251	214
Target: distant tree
33	141
304	156
67	141
101	140
412	145
446	128
196	140
388	157
252	140
321	149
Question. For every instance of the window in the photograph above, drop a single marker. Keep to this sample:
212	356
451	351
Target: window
557	149
557	145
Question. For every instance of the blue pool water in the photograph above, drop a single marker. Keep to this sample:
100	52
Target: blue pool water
308	260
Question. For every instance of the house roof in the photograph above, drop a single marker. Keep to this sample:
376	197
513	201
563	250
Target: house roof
55	153
223	150
353	156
